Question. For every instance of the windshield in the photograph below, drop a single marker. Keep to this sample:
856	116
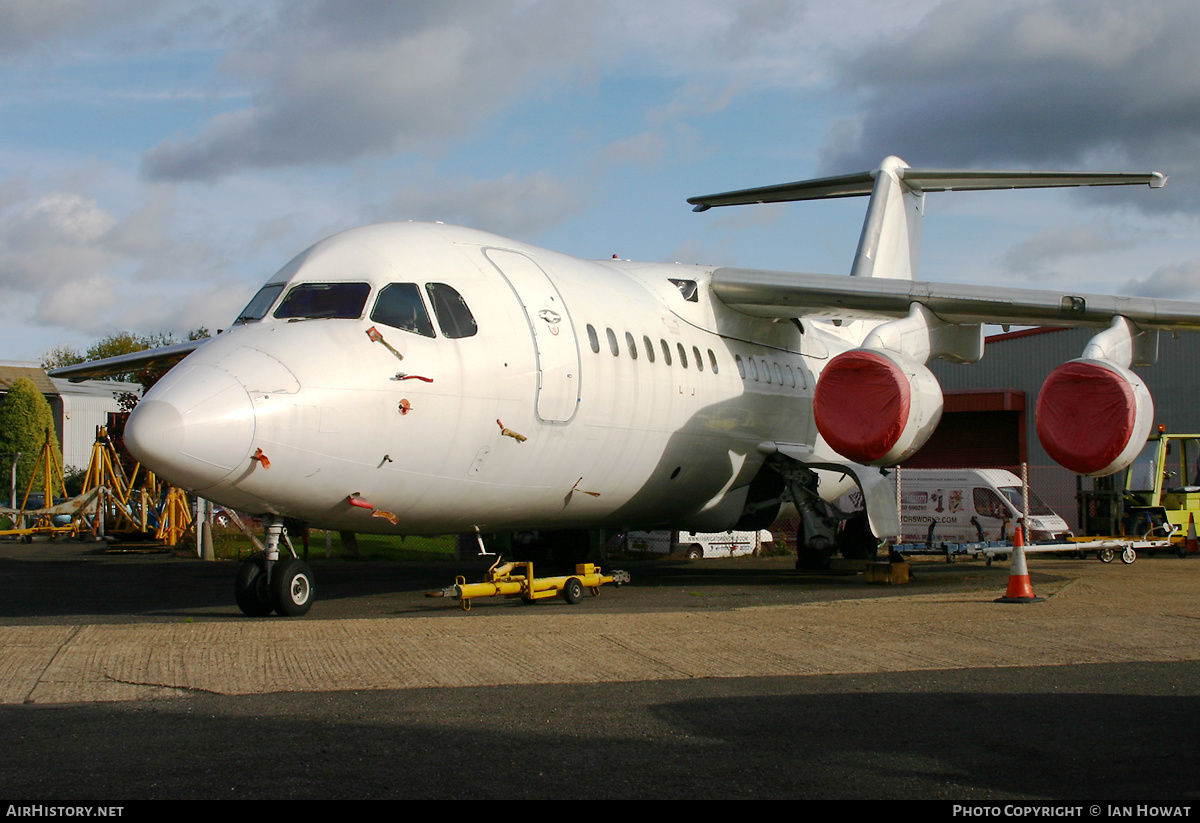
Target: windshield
310	301
257	308
1036	507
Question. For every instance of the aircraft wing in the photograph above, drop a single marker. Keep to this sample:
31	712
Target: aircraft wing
791	294
135	361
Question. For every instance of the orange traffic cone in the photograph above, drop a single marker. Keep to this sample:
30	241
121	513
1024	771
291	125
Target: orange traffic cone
1020	590
1193	546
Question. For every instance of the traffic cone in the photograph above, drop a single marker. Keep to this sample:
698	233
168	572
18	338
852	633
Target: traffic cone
1020	590
1193	546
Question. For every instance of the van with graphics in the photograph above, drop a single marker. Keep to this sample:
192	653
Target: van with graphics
969	505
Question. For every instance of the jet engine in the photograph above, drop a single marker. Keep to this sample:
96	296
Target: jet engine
876	407
1093	416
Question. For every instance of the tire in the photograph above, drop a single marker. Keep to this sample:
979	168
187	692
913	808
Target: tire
292	588
1105	555
572	591
694	552
250	590
1129	555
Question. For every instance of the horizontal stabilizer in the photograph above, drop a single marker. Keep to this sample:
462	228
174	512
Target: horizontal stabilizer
924	180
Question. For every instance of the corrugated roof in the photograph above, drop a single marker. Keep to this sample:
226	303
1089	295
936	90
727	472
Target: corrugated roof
9	374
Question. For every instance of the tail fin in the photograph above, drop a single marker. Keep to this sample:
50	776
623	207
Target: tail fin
891	238
890	244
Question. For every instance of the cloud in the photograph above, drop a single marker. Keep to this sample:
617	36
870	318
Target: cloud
508	205
1034	256
52	239
68	262
333	82
1051	82
1177	282
338	81
25	25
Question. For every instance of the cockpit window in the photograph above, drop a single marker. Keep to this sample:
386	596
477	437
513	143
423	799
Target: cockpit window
399	305
311	301
260	304
454	318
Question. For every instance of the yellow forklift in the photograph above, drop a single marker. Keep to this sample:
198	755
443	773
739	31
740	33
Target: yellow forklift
1152	500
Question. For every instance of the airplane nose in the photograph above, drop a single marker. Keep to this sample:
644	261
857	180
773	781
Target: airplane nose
195	429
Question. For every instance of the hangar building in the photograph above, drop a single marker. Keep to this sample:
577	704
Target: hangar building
989	412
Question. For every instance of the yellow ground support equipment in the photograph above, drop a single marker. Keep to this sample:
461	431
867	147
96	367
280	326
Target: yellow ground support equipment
176	517
28	522
516	580
1152	500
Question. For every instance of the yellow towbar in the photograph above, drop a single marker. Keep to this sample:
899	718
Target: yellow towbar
515	579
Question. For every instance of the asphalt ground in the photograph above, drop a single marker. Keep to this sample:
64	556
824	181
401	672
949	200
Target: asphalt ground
128	677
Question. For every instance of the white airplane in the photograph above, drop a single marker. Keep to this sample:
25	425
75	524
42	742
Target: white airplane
420	378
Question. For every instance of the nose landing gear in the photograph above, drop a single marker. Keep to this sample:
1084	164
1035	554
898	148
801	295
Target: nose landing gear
266	583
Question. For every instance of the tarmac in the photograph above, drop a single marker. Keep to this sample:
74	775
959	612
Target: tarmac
829	687
1093	613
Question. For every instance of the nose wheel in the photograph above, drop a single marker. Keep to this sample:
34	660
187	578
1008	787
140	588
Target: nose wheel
267	583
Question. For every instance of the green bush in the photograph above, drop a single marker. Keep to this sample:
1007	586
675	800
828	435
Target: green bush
25	417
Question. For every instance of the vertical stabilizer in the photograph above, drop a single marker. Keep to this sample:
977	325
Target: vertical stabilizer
891	237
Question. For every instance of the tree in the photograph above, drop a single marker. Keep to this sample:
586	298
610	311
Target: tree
25	417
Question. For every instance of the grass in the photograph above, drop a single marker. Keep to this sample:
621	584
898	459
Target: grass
231	544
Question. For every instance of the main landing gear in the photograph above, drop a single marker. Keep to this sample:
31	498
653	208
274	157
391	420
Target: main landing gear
267	583
824	529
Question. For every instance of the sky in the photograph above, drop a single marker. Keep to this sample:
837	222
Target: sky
160	159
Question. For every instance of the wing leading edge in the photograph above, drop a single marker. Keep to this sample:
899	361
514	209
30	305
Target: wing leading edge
135	361
791	294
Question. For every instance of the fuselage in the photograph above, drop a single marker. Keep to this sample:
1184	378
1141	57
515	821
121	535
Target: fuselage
422	378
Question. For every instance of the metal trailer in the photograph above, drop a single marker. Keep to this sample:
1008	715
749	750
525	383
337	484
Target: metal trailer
1106	550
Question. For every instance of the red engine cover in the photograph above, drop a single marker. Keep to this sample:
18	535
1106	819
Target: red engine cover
862	405
1088	416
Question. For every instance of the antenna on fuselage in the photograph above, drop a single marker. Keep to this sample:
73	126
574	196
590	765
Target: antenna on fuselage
482	548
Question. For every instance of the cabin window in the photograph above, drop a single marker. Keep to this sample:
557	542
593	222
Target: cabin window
741	366
612	342
631	344
454	318
593	340
699	360
666	350
261	303
682	355
778	374
399	305
312	301
712	361
648	347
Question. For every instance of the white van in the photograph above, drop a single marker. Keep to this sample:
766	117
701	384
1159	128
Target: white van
695	545
969	505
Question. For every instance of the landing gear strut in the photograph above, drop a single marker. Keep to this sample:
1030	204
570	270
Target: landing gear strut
817	536
266	584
